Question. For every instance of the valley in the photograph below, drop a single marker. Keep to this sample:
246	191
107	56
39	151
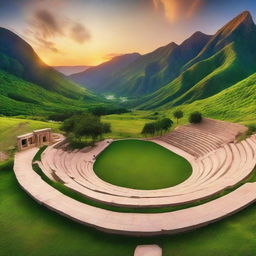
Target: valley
183	114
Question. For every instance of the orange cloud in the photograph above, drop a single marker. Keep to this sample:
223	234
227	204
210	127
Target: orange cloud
169	7
176	9
194	7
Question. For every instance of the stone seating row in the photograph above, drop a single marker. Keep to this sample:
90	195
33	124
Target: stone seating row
207	136
137	224
211	174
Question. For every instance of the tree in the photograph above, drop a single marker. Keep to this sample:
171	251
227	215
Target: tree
166	124
106	127
195	117
178	114
149	128
88	126
69	124
85	126
99	111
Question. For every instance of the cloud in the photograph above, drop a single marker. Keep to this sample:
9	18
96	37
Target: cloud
47	44
79	33
38	41
46	26
174	10
193	8
47	23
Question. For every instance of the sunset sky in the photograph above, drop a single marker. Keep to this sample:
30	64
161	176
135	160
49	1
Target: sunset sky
88	32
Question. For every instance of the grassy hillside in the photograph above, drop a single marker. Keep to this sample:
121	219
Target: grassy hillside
146	73
19	58
236	103
122	126
228	58
19	97
95	78
12	127
141	77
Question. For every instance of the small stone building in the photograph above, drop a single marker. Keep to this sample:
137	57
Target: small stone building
36	138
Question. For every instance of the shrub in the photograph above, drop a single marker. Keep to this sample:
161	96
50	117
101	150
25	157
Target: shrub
195	117
149	128
158	126
251	129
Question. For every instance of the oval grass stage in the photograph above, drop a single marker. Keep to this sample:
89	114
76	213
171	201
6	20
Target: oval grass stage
141	164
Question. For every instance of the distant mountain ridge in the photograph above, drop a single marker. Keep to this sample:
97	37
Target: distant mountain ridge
148	72
19	58
228	58
95	77
198	68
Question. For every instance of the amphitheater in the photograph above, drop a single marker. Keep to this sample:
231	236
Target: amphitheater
218	162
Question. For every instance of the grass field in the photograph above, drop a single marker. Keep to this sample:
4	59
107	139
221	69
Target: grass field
123	126
29	229
12	127
128	125
141	165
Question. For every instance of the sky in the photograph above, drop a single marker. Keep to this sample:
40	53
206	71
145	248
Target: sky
89	32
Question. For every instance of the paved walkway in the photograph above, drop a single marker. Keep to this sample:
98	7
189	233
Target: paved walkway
139	224
148	250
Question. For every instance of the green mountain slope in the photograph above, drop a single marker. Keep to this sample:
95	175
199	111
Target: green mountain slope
18	57
140	77
228	58
236	103
19	97
29	87
95	77
146	73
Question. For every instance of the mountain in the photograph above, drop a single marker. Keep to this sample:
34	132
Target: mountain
235	103
226	59
94	78
29	87
70	70
148	72
20	97
18	57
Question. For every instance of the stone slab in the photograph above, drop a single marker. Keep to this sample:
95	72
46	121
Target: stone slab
148	250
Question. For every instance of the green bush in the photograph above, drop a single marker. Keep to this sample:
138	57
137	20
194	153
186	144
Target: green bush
195	117
159	126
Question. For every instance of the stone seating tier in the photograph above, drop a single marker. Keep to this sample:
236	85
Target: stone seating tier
214	172
137	224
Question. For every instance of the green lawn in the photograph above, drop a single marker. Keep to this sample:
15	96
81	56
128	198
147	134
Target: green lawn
141	165
29	229
10	128
127	125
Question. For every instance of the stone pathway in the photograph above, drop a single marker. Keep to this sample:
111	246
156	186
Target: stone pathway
138	224
148	250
